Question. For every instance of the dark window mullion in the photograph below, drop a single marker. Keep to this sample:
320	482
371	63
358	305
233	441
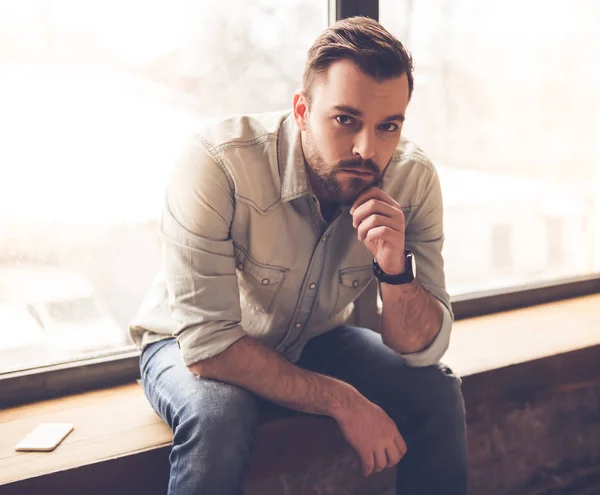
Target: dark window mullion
350	8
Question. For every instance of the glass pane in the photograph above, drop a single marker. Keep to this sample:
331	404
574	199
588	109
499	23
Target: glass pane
507	105
96	98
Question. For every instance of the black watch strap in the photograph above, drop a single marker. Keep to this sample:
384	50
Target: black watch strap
406	277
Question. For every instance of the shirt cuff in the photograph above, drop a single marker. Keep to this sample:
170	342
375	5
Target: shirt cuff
436	349
197	346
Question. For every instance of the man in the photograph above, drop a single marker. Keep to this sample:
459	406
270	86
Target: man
273	225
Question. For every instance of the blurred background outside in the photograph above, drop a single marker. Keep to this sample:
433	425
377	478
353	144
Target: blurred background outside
97	97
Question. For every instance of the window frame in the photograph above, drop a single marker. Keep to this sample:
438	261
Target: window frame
45	382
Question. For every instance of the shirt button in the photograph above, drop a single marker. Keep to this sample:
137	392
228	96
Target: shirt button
324	239
312	286
265	281
240	266
355	283
298	325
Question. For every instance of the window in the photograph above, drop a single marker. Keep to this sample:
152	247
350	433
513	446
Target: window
96	100
555	239
501	246
507	104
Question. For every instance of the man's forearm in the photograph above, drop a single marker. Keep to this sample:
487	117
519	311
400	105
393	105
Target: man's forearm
250	364
411	317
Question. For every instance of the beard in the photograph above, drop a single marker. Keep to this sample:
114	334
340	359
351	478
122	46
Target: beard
341	190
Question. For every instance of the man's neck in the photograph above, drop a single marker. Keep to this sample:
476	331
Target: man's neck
329	207
328	210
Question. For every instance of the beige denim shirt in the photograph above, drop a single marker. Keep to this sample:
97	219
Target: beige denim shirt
247	252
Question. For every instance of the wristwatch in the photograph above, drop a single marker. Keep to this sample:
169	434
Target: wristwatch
406	277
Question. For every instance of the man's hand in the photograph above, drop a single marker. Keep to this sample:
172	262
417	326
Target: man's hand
250	364
380	225
372	434
411	317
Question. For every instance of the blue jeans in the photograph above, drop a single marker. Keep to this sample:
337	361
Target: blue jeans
214	424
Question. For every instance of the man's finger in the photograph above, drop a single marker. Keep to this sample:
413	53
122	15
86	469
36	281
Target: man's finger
393	455
372	206
401	444
372	193
381	460
376	207
384	233
372	222
368	463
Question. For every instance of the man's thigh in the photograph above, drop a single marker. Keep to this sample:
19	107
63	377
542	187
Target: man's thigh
426	404
359	357
176	393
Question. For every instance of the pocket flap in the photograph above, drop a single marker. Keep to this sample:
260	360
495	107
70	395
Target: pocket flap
263	274
356	276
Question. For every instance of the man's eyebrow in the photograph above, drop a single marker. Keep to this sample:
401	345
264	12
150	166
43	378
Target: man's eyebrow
357	113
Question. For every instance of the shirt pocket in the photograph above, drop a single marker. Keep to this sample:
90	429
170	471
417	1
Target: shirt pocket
258	282
351	282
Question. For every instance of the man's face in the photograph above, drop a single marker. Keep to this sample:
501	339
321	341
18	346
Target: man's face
351	129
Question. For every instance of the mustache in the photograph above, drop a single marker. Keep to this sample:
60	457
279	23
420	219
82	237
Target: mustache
359	164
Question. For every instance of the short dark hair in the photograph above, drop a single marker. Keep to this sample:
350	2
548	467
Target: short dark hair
364	41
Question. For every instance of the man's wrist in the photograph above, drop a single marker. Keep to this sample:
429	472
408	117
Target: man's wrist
393	275
392	272
342	398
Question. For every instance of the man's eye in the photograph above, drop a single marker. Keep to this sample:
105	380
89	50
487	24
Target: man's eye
389	127
345	119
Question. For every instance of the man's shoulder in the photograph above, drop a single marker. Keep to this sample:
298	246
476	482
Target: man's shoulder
409	153
242	130
249	149
408	174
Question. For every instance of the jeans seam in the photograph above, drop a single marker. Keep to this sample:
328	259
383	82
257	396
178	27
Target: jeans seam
158	391
174	468
175	417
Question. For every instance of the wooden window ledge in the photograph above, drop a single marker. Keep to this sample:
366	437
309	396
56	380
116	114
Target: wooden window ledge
116	431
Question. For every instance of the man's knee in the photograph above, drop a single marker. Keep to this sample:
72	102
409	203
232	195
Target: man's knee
217	418
213	436
421	395
447	386
437	396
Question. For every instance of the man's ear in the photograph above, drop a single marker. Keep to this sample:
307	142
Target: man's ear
300	107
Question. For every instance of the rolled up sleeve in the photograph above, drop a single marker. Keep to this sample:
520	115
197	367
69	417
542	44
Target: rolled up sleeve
433	353
425	238
198	255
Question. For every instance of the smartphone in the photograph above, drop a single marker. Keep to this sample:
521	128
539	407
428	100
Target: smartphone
45	437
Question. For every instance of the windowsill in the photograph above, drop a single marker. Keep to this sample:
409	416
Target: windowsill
493	341
118	422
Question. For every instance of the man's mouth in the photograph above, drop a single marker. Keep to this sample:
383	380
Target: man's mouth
359	173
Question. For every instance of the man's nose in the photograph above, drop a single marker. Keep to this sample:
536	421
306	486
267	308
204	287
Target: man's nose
364	144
